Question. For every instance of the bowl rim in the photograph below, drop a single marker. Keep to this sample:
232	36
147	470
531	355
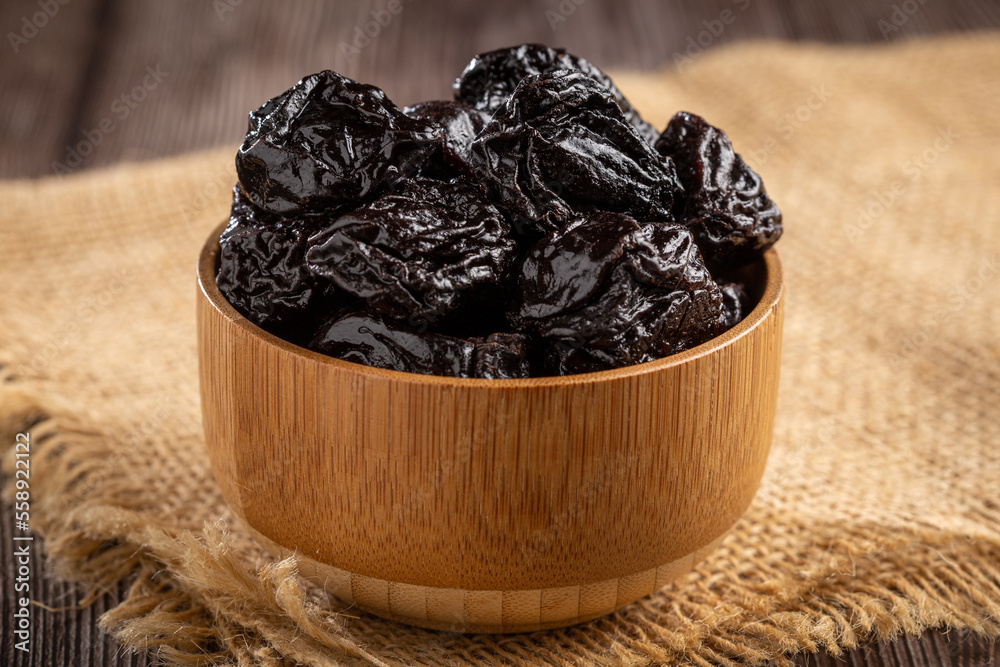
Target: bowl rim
771	296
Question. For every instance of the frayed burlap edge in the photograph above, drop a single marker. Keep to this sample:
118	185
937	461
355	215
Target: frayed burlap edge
193	601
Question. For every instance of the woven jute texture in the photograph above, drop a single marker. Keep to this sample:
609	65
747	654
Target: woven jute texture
879	512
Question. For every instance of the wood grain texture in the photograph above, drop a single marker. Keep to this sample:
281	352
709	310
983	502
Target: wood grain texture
66	77
493	611
65	633
492	495
222	59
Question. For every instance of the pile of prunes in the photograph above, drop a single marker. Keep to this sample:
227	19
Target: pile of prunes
535	225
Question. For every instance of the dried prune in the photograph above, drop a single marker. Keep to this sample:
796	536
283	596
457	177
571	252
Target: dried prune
735	304
490	78
262	269
501	356
534	226
724	203
560	147
608	291
418	252
328	142
367	337
459	124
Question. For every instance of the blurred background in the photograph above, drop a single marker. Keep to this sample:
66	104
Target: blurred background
91	83
88	83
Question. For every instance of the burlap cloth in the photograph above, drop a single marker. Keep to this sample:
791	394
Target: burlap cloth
878	515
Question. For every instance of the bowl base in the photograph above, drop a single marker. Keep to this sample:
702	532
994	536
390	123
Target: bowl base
486	611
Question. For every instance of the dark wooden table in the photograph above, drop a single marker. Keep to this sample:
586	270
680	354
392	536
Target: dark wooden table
87	83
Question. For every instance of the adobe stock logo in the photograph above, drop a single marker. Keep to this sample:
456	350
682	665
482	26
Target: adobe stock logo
882	199
371	29
562	12
31	25
121	108
901	14
696	44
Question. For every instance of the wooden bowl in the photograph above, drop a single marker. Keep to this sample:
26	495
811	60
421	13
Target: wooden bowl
488	505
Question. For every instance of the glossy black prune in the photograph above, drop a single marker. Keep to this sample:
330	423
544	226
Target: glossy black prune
534	226
501	356
490	78
367	337
724	204
262	269
459	124
735	304
417	253
608	291
560	147
328	142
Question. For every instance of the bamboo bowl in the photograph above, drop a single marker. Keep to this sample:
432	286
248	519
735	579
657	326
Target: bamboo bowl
488	505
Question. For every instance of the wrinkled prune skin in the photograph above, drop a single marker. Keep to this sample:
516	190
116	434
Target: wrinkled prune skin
561	147
724	204
459	124
490	78
418	253
328	142
262	269
534	226
608	291
735	304
501	356
367	337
